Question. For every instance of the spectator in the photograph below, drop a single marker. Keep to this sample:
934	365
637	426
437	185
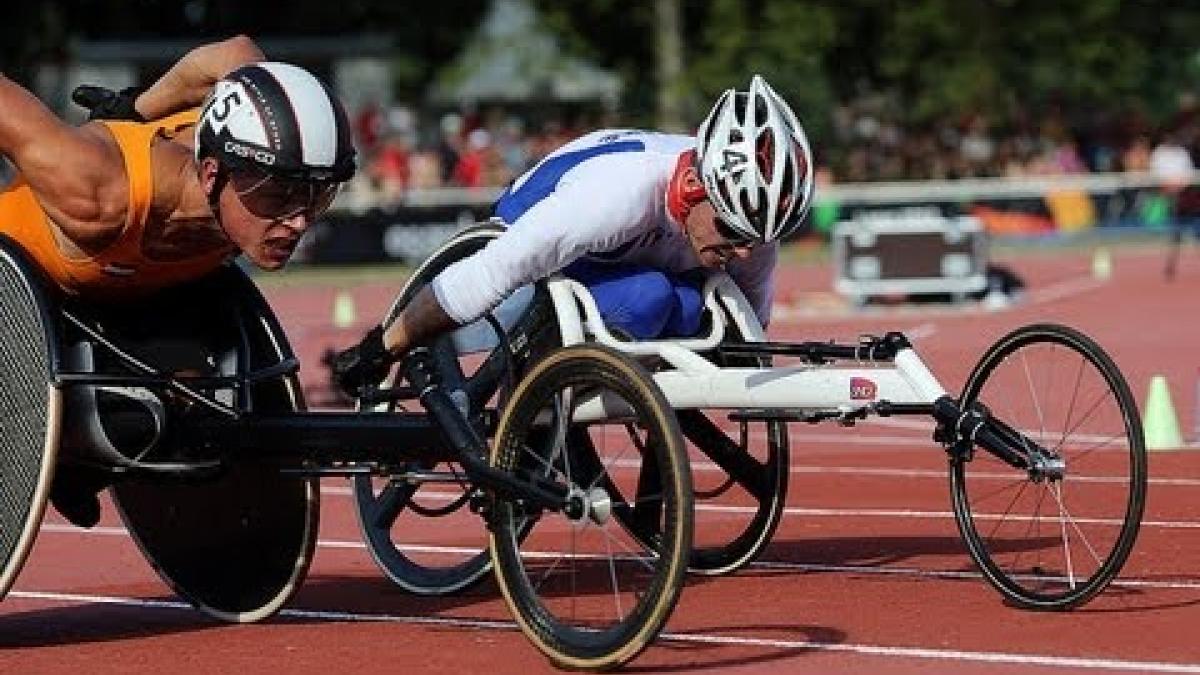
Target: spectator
1172	164
368	125
1137	156
449	145
472	164
390	167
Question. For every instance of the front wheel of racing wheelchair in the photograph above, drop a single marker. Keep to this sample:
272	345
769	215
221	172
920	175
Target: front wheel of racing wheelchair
1053	528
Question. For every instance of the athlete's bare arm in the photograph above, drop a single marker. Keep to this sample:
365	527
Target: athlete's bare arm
421	320
186	84
77	174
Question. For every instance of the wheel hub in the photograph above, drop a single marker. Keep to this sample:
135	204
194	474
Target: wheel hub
592	505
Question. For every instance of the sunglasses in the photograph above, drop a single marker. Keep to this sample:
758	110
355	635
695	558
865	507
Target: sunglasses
274	198
731	235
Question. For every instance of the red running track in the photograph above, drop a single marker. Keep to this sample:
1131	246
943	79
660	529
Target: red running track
866	573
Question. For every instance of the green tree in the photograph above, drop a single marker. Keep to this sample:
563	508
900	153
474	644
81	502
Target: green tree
955	56
616	35
785	41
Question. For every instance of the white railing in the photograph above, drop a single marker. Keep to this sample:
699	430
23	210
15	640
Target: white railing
358	199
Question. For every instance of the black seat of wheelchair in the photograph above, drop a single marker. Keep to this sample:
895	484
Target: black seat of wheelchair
126	420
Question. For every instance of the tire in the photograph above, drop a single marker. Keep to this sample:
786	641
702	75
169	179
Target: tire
388	504
237	545
587	593
1041	545
31	407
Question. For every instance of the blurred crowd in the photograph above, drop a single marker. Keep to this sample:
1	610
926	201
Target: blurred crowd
870	143
461	149
865	140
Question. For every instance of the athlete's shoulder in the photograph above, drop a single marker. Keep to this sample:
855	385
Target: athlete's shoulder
648	141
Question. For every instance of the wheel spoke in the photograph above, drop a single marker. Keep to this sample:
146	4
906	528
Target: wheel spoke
1037	406
1071	408
612	575
647	561
1100	398
1078	531
1056	490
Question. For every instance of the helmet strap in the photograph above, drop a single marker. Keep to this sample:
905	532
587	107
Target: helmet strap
214	197
685	190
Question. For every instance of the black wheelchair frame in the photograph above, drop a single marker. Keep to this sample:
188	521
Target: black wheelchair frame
264	433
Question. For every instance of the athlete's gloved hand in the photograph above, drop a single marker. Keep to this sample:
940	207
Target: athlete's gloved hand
365	363
103	103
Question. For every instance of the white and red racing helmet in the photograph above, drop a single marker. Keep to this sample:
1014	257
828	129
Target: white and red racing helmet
756	163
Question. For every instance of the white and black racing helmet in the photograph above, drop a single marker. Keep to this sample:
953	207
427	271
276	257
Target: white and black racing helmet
279	119
755	163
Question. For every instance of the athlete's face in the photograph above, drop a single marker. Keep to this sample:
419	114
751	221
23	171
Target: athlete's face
266	242
265	217
714	242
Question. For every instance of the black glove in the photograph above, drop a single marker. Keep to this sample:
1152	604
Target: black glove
105	104
366	363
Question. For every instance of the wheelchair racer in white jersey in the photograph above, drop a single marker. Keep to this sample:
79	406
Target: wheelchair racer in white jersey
635	216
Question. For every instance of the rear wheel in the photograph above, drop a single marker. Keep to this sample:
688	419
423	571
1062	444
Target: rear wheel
1052	542
394	503
593	584
31	409
740	473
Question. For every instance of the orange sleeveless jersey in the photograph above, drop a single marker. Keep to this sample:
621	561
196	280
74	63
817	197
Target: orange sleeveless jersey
120	270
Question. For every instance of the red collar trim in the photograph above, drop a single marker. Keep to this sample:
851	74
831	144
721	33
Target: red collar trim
685	189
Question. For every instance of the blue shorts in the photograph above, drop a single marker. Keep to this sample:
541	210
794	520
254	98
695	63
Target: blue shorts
643	302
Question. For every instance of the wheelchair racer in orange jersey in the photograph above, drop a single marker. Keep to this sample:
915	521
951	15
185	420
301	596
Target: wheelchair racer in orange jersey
118	208
162	193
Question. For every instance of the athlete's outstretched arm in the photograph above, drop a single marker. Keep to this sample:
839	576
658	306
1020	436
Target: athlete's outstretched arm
187	82
421	320
77	173
368	361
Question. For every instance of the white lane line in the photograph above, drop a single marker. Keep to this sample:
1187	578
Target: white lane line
467	551
1063	289
867	570
923	653
813	512
828	308
921	331
949	515
1007	658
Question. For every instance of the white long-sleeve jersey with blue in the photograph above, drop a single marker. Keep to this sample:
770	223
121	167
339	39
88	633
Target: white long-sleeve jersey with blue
603	196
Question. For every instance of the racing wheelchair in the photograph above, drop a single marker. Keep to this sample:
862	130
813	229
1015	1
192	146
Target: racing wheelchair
1044	408
187	403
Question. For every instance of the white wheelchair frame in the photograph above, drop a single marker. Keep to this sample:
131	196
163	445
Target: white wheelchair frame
808	390
878	375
